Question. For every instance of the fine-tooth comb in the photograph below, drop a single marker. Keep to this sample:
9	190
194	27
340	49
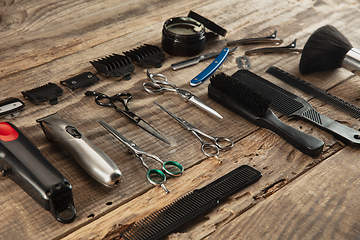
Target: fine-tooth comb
172	216
147	55
269	39
115	66
327	97
292	105
289	48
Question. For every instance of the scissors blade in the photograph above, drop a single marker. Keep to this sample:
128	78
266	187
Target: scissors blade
129	144
187	125
198	102
144	125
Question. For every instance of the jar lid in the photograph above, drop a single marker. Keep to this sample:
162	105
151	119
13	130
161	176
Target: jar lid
207	23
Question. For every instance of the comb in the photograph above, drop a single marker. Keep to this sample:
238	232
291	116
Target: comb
323	95
115	66
147	55
172	216
292	105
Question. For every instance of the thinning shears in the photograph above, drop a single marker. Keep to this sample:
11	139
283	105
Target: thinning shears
155	176
160	84
104	100
209	149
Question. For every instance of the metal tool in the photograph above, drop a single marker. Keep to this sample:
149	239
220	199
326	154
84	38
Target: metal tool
286	49
209	149
155	86
269	39
88	155
106	101
10	107
196	60
154	176
207	72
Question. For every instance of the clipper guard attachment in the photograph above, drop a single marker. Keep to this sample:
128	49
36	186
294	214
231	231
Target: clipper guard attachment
147	55
49	92
115	66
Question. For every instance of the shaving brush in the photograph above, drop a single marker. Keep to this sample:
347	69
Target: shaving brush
327	49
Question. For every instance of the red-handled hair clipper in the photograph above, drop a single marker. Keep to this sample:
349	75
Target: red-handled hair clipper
22	162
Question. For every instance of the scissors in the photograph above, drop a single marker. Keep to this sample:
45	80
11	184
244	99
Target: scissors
155	176
104	100
160	84
209	149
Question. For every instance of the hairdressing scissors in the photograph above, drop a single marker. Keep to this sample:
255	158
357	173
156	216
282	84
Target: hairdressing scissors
155	176
209	149
104	100
160	84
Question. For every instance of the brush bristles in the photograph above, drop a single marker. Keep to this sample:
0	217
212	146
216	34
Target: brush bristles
240	93
325	50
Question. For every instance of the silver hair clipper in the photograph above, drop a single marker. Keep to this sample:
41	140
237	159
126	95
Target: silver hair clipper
90	157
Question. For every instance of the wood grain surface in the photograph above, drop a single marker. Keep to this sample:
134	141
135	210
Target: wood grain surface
298	197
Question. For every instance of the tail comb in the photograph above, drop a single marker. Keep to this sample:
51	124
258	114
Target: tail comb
172	216
147	55
115	66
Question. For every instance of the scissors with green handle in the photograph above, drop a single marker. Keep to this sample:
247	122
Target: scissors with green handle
209	149
155	176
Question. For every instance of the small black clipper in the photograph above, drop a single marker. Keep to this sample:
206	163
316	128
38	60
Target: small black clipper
82	80
48	92
115	66
22	162
147	55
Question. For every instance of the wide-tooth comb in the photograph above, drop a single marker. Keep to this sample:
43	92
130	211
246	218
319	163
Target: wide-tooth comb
251	105
147	55
172	216
115	66
292	105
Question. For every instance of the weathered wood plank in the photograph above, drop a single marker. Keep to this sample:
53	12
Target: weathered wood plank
322	204
102	30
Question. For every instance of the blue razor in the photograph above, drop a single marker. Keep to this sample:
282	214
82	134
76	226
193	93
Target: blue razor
207	72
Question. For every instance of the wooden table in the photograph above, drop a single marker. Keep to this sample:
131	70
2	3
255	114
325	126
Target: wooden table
298	197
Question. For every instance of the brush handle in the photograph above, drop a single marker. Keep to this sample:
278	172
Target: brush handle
352	61
306	143
343	133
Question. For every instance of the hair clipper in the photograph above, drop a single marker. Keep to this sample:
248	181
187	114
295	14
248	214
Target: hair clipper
90	157
22	162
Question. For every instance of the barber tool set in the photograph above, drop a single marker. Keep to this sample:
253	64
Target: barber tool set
244	93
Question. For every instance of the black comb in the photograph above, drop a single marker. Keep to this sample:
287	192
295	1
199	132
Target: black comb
115	66
253	106
292	105
325	96
147	55
172	216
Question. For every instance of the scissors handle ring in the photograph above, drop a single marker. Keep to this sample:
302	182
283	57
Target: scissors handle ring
210	150
177	165
223	142
152	87
153	175
108	103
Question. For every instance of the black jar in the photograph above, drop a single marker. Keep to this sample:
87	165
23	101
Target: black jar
183	36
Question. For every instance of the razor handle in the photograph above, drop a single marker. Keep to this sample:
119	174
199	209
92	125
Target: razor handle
23	163
94	161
